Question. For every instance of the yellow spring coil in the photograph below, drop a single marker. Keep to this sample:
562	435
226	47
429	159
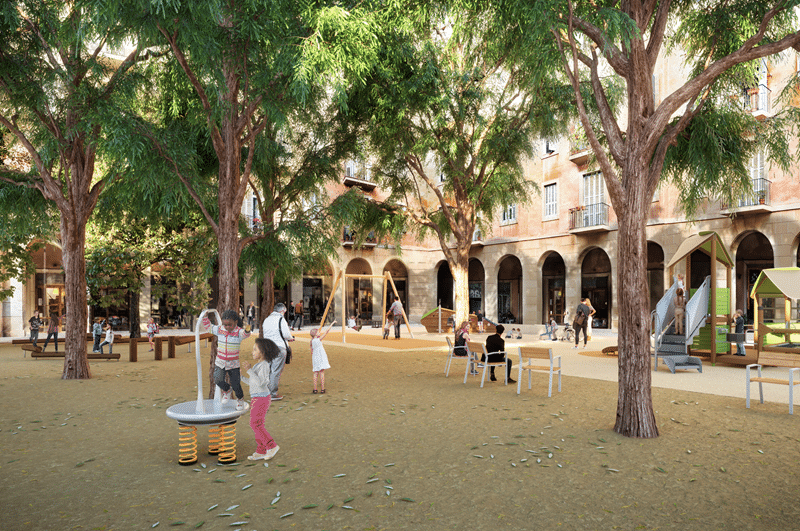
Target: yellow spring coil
214	439
187	445
227	447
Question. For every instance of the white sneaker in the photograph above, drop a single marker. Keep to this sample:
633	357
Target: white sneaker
256	456
240	404
271	453
226	396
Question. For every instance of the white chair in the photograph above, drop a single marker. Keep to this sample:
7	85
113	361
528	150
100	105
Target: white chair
527	355
474	352
450	355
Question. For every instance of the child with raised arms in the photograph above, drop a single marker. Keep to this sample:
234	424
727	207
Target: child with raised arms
319	358
229	341
264	351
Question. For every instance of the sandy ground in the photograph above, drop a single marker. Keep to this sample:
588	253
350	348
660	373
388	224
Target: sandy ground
393	444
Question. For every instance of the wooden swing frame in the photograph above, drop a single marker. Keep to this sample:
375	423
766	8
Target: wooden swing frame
387	281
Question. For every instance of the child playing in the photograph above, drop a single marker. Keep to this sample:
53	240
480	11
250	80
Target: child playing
35	323
52	331
97	332
319	359
386	328
264	351
229	340
109	340
351	323
152	330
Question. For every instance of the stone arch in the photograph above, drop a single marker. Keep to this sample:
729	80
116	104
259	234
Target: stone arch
359	290
554	282
399	272
509	290
753	253
444	285
596	285
477	280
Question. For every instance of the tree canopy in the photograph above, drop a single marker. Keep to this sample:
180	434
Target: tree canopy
693	134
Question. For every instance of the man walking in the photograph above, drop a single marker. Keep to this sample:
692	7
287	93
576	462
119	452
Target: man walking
276	329
298	315
396	312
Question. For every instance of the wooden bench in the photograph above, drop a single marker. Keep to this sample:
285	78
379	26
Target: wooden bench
527	355
776	359
89	355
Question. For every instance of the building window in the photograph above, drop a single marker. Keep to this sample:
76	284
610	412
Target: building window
757	166
593	192
550	146
350	169
550	201
509	215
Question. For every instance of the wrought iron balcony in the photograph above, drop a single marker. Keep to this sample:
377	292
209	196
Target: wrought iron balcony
756	100
589	218
755	202
349	238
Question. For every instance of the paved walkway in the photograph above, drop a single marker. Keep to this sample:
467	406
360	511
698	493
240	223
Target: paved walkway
723	380
720	380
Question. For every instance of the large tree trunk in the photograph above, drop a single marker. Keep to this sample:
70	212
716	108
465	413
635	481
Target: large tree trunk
460	270
228	242
133	314
267	299
73	240
635	417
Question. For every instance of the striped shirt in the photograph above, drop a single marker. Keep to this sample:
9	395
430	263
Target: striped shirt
228	344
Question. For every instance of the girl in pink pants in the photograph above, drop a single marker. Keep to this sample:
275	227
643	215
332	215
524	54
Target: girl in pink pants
264	351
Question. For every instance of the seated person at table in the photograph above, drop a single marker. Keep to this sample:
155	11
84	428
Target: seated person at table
496	343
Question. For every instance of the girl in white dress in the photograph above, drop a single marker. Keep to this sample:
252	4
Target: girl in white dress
319	358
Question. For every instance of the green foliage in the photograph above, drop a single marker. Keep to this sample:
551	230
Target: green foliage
451	94
119	256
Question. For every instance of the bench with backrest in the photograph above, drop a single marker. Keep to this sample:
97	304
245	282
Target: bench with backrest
529	361
776	359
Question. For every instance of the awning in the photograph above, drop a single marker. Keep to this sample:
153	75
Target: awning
702	241
778	283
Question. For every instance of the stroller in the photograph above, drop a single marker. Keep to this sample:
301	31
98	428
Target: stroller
568	334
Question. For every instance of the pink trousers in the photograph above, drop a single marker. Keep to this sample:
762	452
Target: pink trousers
259	406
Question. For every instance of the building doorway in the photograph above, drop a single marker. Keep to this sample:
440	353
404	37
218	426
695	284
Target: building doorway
399	274
444	286
596	285
476	280
554	288
655	273
509	291
753	255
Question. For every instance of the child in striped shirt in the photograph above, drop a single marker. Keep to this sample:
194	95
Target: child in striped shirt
229	340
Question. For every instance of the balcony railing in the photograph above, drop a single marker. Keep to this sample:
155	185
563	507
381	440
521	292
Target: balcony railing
588	216
759	197
757	100
349	237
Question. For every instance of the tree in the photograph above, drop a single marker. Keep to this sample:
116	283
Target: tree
451	110
239	58
61	99
119	254
686	136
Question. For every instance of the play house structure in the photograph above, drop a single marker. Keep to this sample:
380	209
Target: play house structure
708	309
775	331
